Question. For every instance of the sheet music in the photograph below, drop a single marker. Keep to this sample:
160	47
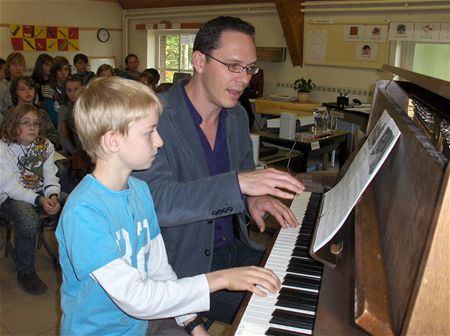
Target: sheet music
339	201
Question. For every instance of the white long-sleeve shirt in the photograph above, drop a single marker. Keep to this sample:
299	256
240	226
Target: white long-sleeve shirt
30	170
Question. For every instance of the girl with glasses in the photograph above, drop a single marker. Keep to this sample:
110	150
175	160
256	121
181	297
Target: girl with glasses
32	188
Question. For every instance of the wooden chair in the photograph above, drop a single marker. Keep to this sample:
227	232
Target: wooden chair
48	223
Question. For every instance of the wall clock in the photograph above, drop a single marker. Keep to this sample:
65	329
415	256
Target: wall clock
103	35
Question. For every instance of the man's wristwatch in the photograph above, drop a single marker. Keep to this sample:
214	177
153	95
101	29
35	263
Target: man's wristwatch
191	325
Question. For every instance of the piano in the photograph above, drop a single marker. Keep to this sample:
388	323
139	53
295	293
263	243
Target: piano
391	269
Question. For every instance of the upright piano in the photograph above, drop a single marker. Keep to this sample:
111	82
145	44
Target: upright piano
390	273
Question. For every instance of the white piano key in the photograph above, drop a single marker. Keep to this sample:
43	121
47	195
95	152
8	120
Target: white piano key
258	313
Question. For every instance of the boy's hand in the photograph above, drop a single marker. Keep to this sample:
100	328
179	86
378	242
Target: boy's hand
244	278
269	182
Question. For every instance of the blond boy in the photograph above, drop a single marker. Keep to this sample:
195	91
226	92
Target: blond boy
115	270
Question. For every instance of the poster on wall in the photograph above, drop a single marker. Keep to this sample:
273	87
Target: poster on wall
427	32
366	51
354	32
376	33
44	38
401	31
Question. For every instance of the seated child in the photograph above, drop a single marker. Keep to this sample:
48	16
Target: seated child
105	70
81	63
31	189
66	125
53	92
23	92
115	270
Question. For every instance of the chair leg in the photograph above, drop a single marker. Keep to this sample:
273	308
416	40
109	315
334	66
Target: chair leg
43	241
9	247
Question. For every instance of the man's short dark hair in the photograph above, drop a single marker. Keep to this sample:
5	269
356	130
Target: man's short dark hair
80	57
207	38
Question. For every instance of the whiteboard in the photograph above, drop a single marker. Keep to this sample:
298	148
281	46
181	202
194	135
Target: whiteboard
95	62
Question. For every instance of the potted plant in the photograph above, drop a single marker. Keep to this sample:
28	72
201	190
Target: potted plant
304	87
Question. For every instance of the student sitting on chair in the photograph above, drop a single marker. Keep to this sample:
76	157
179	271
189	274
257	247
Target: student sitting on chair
33	189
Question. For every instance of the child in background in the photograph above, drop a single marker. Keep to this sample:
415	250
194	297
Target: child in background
81	63
2	70
23	92
14	67
52	92
150	77
32	189
41	74
105	70
131	67
2	80
115	270
66	125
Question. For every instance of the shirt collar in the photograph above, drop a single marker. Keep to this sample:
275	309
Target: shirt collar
194	113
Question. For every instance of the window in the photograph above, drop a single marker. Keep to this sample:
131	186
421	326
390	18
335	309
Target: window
174	54
430	59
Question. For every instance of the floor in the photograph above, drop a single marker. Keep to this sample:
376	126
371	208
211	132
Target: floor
24	314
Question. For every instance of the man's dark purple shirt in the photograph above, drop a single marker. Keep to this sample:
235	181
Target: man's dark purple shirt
218	163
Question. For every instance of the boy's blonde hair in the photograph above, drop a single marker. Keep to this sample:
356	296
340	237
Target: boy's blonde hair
111	104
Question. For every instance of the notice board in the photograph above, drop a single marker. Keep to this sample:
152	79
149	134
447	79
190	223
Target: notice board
361	45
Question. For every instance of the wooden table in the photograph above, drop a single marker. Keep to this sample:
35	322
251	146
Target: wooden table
310	146
272	107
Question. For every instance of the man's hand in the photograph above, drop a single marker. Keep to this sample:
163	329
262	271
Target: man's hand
258	206
249	278
269	182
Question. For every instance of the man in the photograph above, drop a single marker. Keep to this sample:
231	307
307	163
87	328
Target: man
200	176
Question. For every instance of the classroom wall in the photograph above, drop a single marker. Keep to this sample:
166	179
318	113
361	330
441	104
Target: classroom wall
89	16
278	76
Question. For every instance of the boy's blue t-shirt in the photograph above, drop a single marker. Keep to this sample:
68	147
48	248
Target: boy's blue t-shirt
97	226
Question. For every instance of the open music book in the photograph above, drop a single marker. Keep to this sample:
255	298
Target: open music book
339	201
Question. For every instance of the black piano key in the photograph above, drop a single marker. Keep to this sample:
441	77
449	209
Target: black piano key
310	263
297	304
297	293
304	269
294	280
303	240
279	332
300	253
292	319
296	298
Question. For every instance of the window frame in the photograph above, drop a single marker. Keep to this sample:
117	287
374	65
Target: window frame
162	70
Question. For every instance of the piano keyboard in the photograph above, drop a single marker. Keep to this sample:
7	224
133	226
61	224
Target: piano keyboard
291	312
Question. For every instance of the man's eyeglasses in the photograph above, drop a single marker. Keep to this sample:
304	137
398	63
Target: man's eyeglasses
28	124
237	68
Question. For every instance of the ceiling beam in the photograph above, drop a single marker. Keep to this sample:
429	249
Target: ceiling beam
137	4
291	19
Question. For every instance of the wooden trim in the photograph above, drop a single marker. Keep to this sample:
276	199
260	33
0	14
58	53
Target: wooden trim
439	86
6	25
165	25
137	4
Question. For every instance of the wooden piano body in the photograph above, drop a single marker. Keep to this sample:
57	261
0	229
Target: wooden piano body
392	276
